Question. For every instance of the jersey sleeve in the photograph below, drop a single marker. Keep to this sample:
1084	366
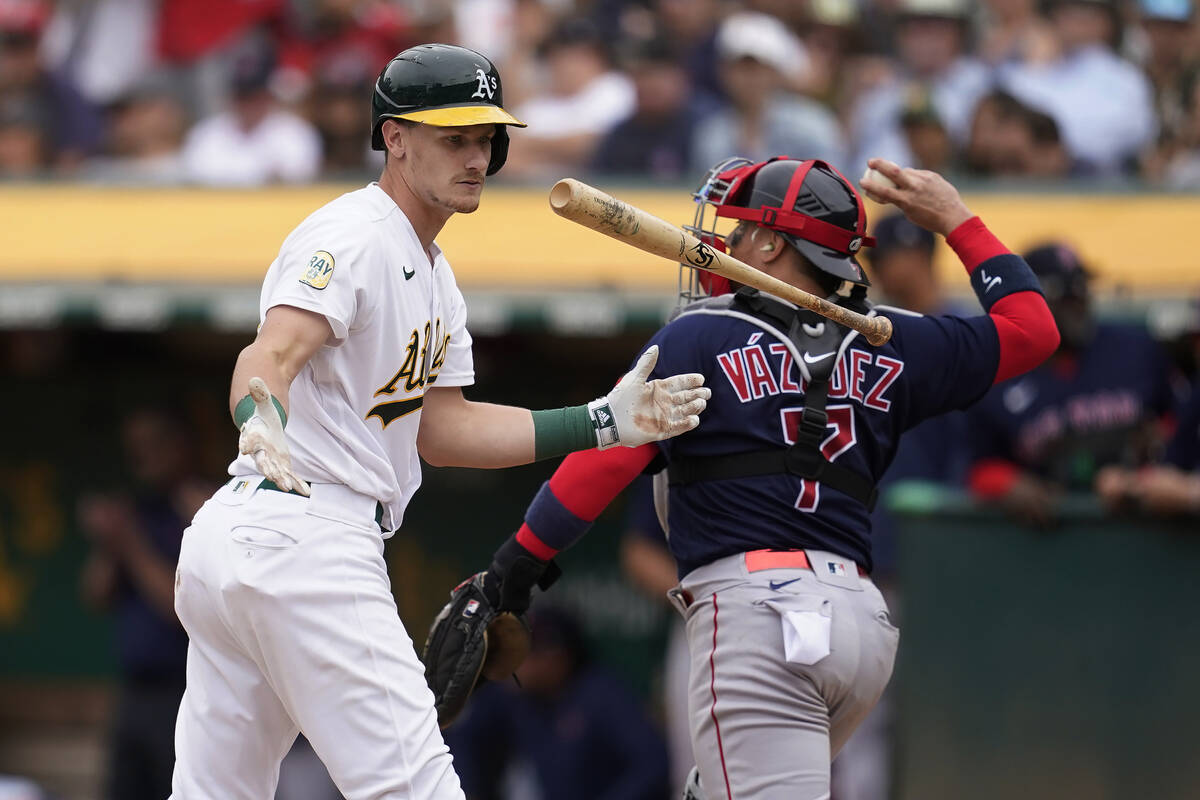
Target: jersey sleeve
322	267
641	519
458	368
949	361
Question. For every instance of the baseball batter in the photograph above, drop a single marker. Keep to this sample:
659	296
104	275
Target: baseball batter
356	370
767	502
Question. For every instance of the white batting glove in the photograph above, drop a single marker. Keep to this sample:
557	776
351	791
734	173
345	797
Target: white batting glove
638	411
262	437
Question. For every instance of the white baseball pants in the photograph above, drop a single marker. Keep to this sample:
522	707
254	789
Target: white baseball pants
292	623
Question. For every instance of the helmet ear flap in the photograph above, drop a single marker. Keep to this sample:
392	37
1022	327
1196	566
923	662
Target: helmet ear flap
499	149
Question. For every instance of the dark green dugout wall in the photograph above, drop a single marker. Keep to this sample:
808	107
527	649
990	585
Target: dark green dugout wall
1062	663
65	392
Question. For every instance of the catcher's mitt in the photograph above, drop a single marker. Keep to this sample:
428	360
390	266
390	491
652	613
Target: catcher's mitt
471	642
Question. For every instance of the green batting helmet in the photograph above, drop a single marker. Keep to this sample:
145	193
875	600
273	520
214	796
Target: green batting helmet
443	85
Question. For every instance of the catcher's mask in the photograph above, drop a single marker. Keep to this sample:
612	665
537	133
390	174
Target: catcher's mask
809	203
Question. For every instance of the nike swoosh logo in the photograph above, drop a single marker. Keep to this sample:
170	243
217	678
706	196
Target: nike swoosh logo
777	585
810	360
408	273
990	283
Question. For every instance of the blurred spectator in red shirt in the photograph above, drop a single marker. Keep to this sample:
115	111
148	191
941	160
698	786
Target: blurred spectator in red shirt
1103	104
191	29
70	127
255	141
341	35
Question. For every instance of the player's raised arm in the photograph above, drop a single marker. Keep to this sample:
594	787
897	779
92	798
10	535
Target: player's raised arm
1003	282
457	432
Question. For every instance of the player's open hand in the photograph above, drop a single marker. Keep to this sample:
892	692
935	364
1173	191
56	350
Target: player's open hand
262	437
640	411
925	197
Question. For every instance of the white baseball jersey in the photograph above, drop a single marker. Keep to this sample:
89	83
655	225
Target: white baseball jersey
399	326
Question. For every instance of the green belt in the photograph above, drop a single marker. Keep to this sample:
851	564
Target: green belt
274	487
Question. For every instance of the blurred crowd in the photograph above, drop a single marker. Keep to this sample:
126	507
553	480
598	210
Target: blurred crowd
250	92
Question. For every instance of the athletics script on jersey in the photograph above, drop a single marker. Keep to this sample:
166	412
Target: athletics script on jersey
861	375
423	360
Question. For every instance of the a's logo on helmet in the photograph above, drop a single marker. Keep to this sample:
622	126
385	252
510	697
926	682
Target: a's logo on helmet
487	85
855	243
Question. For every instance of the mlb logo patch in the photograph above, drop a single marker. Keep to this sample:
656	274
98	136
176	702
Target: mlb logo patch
319	270
471	608
836	567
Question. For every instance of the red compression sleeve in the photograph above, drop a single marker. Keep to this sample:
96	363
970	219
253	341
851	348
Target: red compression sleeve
974	244
1028	335
586	482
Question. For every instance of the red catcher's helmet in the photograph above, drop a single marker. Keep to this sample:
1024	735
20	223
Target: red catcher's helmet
809	203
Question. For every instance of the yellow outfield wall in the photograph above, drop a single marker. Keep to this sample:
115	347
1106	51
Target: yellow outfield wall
73	233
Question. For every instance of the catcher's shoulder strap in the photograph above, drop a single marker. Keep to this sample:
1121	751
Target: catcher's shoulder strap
809	335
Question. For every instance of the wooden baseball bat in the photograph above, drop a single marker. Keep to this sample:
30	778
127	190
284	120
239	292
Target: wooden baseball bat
592	208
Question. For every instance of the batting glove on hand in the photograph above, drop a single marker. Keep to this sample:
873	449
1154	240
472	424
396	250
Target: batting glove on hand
638	411
262	437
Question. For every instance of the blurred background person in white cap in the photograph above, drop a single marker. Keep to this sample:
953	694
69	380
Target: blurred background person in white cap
760	61
255	141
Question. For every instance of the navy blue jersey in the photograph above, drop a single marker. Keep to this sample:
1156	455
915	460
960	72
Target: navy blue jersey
1069	417
641	519
931	365
149	645
1183	451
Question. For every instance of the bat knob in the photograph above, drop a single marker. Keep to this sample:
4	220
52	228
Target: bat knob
880	330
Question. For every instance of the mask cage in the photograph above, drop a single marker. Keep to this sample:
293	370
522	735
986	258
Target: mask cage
697	284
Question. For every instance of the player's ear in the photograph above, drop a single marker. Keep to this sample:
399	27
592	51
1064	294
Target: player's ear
395	137
770	246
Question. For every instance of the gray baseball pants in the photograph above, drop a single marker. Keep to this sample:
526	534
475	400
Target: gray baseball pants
789	652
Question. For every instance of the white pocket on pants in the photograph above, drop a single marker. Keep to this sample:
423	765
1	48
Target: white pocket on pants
807	623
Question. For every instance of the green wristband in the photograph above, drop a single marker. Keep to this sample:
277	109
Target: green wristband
558	431
244	410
